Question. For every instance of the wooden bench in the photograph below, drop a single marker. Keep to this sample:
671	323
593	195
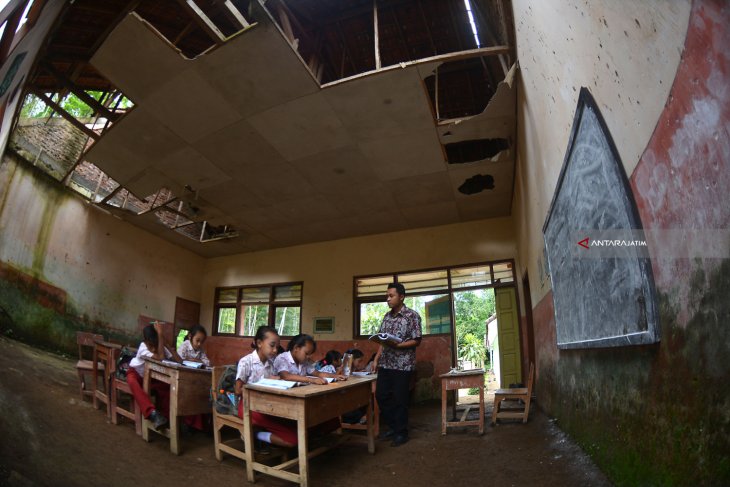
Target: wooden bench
117	386
103	365
84	366
516	394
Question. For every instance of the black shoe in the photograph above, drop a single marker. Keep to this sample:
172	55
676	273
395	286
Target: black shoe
261	447
386	436
158	420
399	440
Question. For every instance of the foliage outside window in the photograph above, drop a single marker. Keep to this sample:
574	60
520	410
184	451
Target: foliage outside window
241	310
434	294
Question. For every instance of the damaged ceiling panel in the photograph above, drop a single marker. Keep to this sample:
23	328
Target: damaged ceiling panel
251	144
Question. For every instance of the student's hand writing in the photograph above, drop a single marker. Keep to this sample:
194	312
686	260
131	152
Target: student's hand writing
317	380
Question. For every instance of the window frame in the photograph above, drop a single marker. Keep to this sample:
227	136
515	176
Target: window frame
357	301
271	303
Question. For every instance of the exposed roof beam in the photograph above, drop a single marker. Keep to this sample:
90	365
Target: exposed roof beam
203	21
83	96
59	109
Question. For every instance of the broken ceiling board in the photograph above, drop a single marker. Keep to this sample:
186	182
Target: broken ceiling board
230	197
131	145
502	172
363	199
431	215
387	105
421	190
137	59
190	106
337	170
237	147
498	120
148	182
188	167
302	127
409	154
257	70
308	210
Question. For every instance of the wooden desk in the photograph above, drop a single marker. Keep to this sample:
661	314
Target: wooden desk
189	394
462	380
308	406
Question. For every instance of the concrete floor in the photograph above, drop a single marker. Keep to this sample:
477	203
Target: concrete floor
51	438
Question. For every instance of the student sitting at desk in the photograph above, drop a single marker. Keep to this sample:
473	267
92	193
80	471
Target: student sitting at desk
331	362
152	346
192	348
295	364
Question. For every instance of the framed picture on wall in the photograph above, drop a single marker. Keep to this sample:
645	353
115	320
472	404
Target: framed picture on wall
324	325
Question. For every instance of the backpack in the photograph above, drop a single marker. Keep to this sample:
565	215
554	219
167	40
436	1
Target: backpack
126	355
226	401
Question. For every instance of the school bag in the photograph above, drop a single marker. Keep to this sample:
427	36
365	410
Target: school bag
126	355
225	402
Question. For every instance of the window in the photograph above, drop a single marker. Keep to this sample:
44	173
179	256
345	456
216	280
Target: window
429	292
241	310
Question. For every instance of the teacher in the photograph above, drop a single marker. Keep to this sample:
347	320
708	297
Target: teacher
395	363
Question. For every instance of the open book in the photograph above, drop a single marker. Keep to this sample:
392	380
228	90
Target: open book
194	365
385	338
276	383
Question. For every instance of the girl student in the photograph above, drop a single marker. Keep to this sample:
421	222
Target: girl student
152	346
192	348
295	363
331	362
252	368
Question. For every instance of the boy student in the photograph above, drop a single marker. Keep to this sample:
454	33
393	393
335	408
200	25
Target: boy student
395	363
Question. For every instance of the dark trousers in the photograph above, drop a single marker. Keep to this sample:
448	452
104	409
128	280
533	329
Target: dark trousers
392	391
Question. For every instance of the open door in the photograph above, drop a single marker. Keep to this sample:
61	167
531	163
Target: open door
510	368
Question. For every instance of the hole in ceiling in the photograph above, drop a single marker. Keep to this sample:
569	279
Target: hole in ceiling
474	150
477	184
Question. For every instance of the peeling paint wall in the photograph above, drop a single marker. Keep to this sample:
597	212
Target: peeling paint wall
654	415
65	265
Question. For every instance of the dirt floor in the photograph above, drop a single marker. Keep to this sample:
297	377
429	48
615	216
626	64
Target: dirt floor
48	437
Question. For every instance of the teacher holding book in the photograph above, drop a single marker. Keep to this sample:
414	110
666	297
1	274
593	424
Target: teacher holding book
395	363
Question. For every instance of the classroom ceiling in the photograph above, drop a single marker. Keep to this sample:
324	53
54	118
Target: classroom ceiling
246	142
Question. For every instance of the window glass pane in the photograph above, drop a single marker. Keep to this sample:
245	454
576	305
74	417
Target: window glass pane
470	276
373	286
503	273
227	320
424	281
288	293
286	320
435	311
256	295
254	315
371	315
227	296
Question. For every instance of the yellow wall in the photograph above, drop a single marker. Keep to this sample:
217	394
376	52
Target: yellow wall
625	52
328	268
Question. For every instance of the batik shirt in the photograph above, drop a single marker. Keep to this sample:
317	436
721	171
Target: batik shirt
406	325
251	369
285	363
187	352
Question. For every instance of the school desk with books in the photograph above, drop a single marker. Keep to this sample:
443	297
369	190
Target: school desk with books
189	394
308	406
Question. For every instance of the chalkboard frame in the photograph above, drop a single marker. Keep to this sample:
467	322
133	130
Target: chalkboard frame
651	333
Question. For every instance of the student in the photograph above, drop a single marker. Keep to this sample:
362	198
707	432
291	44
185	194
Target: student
252	368
331	362
192	348
358	359
152	346
358	365
295	364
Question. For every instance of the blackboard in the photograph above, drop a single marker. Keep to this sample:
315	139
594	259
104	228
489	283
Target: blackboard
602	297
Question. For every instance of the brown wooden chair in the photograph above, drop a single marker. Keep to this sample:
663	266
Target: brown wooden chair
103	366
85	366
360	426
222	420
519	394
117	386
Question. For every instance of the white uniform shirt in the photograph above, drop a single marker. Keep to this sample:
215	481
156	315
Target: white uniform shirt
137	363
285	363
187	352
251	369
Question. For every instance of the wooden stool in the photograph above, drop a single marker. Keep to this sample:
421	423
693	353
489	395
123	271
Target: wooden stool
103	366
462	380
84	366
523	394
117	386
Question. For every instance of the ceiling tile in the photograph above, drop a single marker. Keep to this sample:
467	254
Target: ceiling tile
421	190
406	155
337	170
